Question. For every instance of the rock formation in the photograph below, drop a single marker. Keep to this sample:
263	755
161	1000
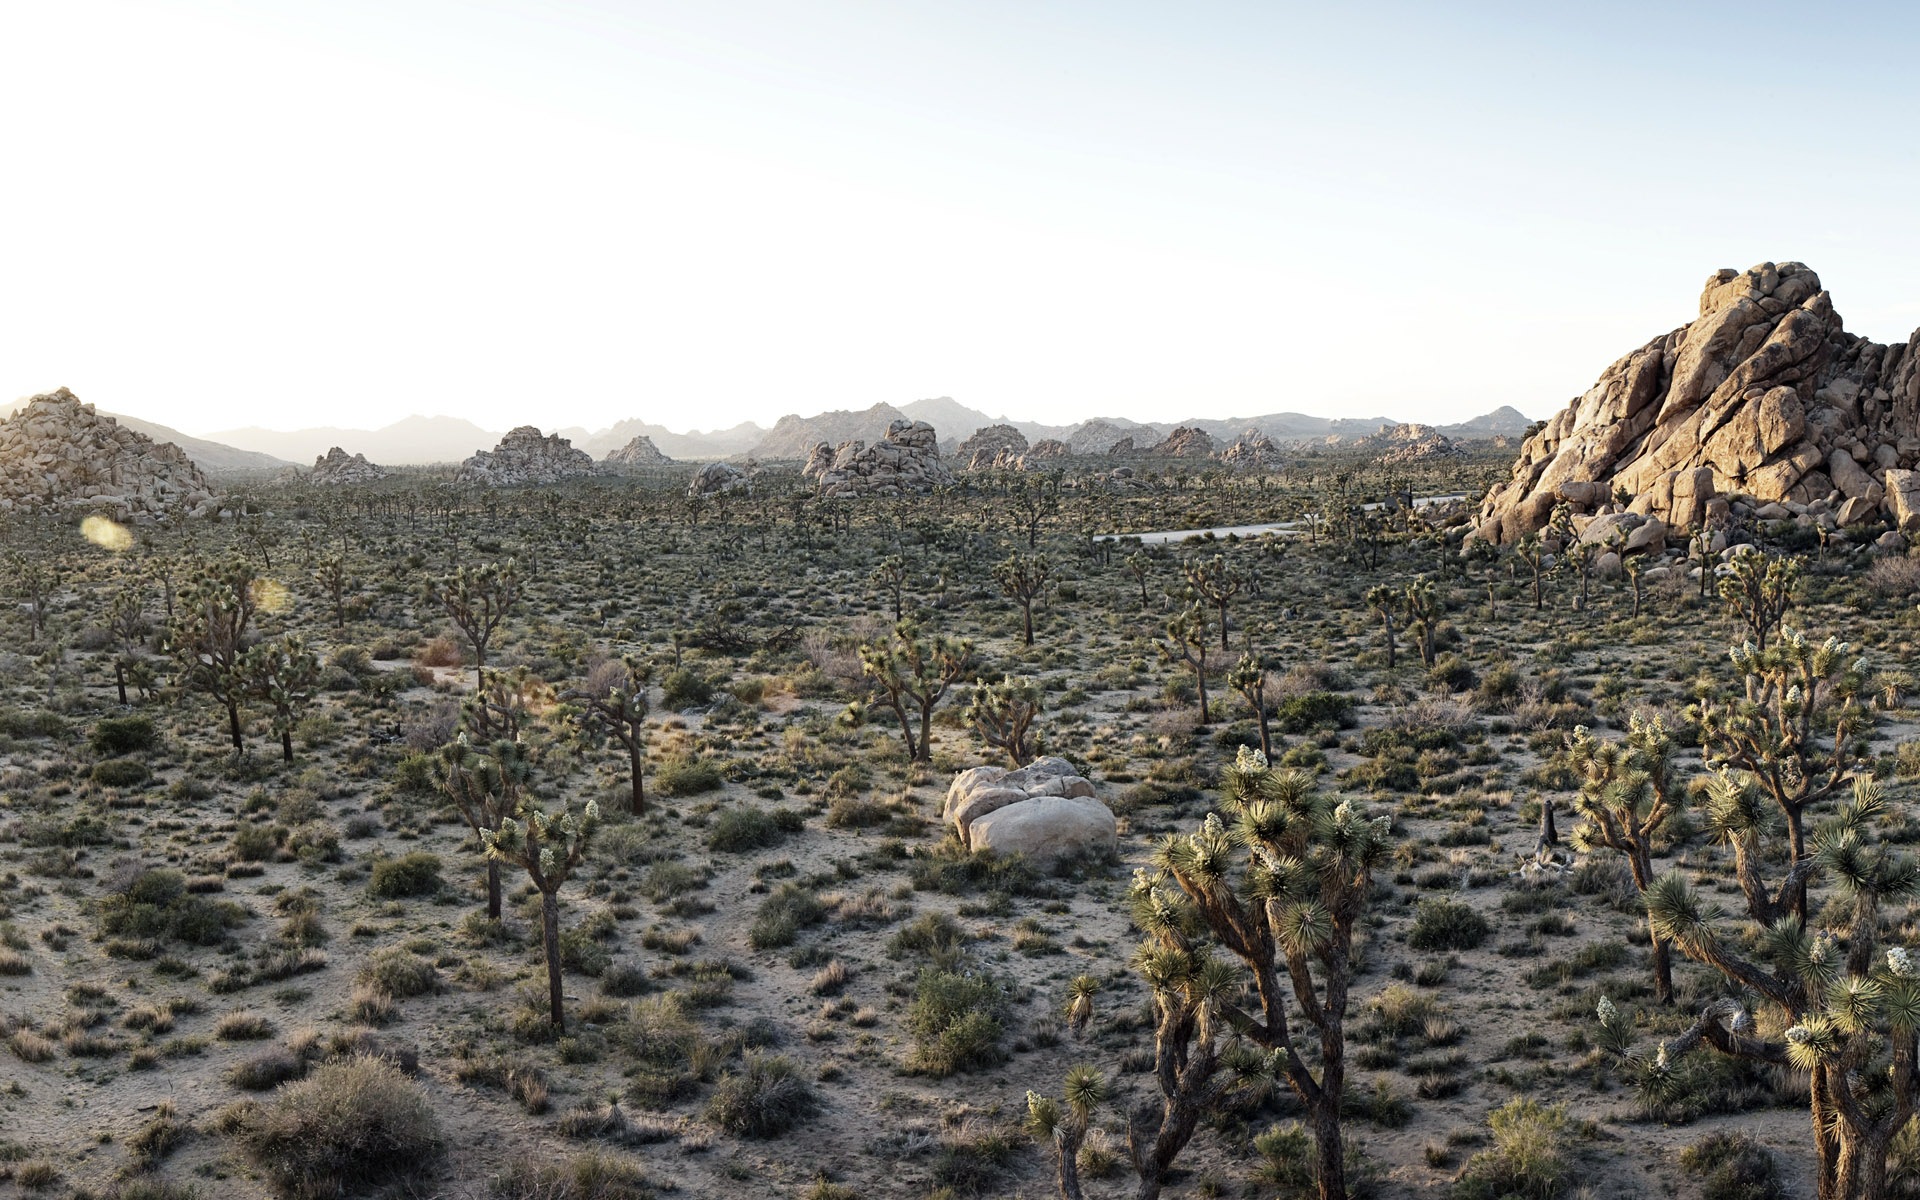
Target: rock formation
640	452
907	462
1100	437
1764	396
1252	451
716	479
1047	448
1122	448
1409	443
995	448
1188	441
336	466
59	454
523	457
1043	810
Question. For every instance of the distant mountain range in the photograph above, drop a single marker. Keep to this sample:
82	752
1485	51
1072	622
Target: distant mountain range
416	440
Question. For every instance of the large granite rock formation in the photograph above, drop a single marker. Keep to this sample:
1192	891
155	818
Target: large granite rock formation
337	467
1100	437
640	452
717	479
1764	395
523	457
1188	441
1043	810
907	462
59	454
1409	444
1252	451
995	448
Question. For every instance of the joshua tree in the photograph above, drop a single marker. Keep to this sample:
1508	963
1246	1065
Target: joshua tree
1281	890
1424	610
1035	498
1023	577
1533	553
33	583
1249	678
127	622
914	672
1140	566
1003	714
613	708
1759	589
1843	1014
484	770
1628	791
1792	739
1386	604
283	674
330	572
1216	581
1188	635
478	598
890	578
210	636
1631	565
548	848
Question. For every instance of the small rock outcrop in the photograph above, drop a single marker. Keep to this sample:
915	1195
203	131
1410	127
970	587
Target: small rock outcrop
1188	441
1252	451
336	467
1099	437
995	448
57	453
1409	444
1043	810
906	462
1047	448
716	479
640	452
525	456
1764	396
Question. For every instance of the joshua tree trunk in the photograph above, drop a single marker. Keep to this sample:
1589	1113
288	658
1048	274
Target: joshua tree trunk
1329	1153
493	889
120	679
550	930
233	727
636	761
286	744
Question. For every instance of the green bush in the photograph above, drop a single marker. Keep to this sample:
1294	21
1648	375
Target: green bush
1732	1166
1525	1160
399	972
684	689
589	1176
350	1126
740	829
120	773
120	736
1446	925
156	905
766	1097
1452	672
415	874
1313	710
956	1022
258	843
783	915
416	775
686	777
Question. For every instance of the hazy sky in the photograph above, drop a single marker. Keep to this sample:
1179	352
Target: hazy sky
341	212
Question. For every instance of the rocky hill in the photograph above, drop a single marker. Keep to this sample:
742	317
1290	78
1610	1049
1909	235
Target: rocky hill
997	447
523	457
336	467
640	452
794	437
57	453
1409	444
1185	442
905	462
1765	394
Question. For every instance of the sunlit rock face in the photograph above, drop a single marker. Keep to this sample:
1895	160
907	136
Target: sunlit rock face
1765	394
905	462
640	452
524	456
337	467
59	454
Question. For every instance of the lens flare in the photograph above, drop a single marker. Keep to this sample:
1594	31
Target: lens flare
108	535
271	596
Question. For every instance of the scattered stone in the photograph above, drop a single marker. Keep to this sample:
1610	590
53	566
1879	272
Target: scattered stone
57	453
337	467
524	457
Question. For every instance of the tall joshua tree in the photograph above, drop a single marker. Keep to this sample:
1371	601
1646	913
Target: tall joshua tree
211	633
1186	645
1249	678
547	847
283	674
1760	588
890	579
1386	605
913	672
1003	714
1023	578
479	598
1216	581
1424	610
1281	890
613	708
1140	566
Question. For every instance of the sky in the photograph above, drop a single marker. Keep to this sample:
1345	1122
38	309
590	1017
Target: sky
220	213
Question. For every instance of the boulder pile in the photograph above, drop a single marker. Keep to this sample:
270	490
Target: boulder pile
995	448
907	462
1409	444
1763	401
336	466
1043	810
718	478
1252	451
524	457
1188	441
59	454
640	452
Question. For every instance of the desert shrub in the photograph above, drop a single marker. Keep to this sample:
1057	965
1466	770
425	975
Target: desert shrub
32	723
766	1097
956	1020
119	736
258	843
954	870
783	915
589	1176
398	972
1525	1159
1732	1166
682	688
442	651
414	874
740	829
857	812
156	905
1313	710
686	777
1452	672
120	773
934	936
1446	925
267	1069
416	775
348	1126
